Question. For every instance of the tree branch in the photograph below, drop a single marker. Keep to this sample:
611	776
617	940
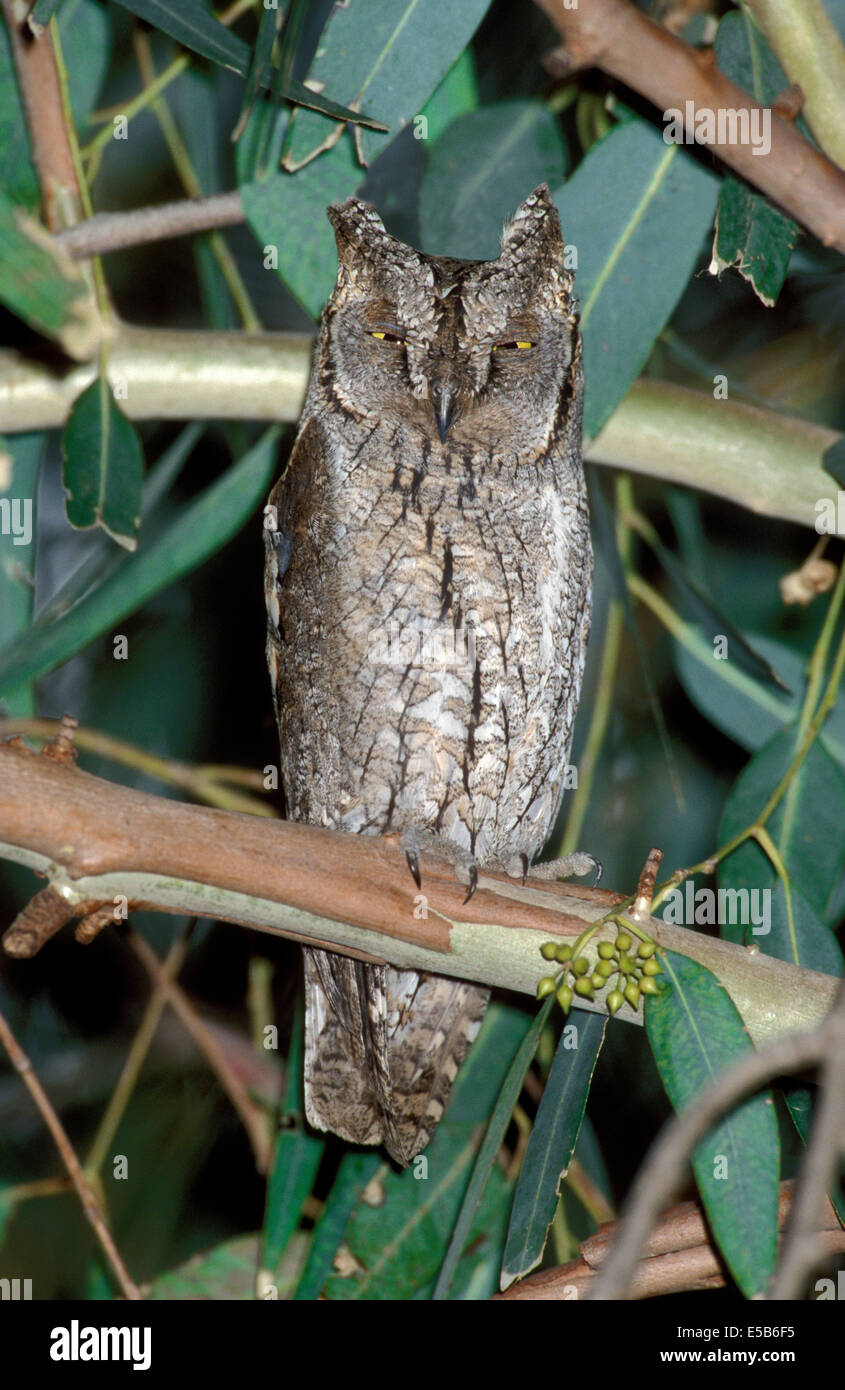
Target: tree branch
616	37
678	1257
759	459
95	840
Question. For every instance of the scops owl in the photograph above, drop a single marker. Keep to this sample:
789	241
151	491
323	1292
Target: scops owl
428	585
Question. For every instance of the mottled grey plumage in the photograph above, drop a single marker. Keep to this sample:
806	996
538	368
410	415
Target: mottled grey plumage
435	488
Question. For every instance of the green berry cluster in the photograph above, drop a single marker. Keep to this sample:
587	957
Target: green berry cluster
633	964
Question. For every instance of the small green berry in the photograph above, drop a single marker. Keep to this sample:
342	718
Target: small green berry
615	1001
598	981
652	967
547	986
632	994
580	965
623	941
646	949
584	987
563	954
548	950
607	950
564	997
648	985
605	969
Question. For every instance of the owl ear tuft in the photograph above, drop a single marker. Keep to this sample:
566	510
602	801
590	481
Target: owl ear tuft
357	227
534	228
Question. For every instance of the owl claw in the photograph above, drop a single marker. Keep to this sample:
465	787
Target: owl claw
473	882
414	865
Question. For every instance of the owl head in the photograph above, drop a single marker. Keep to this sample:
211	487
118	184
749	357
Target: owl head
474	351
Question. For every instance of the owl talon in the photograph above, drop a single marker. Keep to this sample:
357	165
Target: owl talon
414	865
473	882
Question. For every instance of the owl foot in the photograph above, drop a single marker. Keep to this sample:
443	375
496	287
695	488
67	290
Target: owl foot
416	842
569	866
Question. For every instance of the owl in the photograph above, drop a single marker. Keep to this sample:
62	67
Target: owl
428	583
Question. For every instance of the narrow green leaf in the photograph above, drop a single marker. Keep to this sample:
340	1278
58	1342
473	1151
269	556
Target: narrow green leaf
201	528
191	24
695	1032
705	611
499	1121
751	233
103	466
803	940
18	178
551	1144
295	1165
387	55
42	12
355	1173
800	1102
637	211
806	826
480	169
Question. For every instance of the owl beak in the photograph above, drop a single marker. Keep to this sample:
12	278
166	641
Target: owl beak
444	400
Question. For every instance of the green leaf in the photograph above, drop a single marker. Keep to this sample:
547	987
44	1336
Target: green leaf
454	96
295	1165
487	1154
42	12
751	233
806	826
805	941
103	466
288	212
700	607
225	1273
355	1173
396	1245
833	460
201	528
42	285
18	178
479	171
85	33
551	1144
755	237
695	1032
20	464
387	55
194	26
800	1102
637	211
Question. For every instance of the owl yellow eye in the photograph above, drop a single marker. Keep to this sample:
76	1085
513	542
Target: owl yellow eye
384	337
524	344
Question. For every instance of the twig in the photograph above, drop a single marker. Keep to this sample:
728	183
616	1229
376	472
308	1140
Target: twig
618	38
52	152
113	231
90	1207
678	1257
666	1163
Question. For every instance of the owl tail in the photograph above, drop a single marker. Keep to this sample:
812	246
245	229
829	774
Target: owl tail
382	1048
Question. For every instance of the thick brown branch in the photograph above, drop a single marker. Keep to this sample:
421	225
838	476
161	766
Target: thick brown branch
96	840
619	39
